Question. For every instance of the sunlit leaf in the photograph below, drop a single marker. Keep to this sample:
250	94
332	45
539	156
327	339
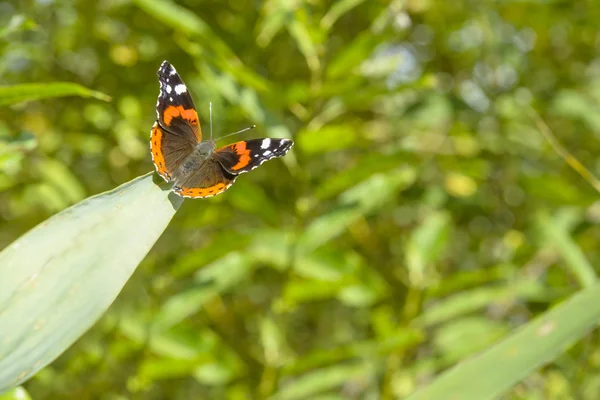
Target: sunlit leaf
328	138
299	31
318	381
275	15
18	393
574	258
465	336
469	301
59	278
327	227
174	15
426	246
17	23
38	91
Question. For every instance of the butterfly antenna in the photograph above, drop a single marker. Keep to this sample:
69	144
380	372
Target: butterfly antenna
240	131
210	114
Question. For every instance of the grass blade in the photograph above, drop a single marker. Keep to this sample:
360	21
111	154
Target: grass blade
560	239
496	370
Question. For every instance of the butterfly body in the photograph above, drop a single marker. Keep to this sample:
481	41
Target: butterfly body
201	153
198	168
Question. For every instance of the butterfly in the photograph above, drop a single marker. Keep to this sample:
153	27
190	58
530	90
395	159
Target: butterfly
196	167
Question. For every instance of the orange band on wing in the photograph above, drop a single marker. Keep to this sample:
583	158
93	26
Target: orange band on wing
202	192
158	157
190	115
244	153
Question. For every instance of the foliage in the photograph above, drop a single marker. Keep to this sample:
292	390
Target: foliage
420	218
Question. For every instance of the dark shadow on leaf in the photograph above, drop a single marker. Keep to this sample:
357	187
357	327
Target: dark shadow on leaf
175	200
166	186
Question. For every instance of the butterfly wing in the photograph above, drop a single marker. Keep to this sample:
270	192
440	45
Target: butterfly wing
177	131
246	155
208	180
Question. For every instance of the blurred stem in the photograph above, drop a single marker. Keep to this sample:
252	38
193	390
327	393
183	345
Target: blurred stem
562	151
268	382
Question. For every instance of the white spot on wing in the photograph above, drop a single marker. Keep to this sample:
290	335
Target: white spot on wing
267	152
179	89
265	143
172	71
169	89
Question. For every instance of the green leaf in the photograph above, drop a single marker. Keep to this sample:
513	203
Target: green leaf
348	59
165	344
276	351
17	393
301	35
36	91
213	374
62	178
469	301
174	15
321	380
426	246
560	239
465	336
18	23
363	170
573	104
275	15
500	367
399	339
212	279
183	20
21	144
326	228
182	305
373	193
338	9
60	277
328	138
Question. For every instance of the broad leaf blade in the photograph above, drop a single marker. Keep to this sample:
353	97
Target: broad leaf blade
58	279
36	91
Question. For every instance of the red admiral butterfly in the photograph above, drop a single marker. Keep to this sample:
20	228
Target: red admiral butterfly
197	168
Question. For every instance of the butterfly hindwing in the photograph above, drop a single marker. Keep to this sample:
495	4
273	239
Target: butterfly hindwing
244	156
168	151
209	180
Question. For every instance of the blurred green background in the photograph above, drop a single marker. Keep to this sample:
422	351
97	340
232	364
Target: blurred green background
420	217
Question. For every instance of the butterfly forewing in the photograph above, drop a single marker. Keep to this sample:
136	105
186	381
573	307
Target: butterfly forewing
246	155
177	131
